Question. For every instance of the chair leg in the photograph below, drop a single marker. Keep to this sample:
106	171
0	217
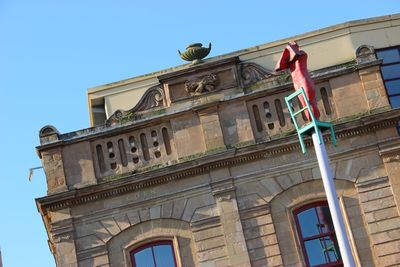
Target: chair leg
303	147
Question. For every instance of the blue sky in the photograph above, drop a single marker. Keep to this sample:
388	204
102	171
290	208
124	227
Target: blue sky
52	51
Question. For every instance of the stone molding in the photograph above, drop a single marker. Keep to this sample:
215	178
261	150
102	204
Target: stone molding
92	252
143	232
231	157
203	224
251	73
152	98
61	238
262	209
393	158
99	131
390	152
223	190
365	53
48	134
372	182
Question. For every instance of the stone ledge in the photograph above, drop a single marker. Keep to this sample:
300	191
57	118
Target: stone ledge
207	223
101	131
231	157
369	183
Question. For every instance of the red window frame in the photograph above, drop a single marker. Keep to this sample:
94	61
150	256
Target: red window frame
303	239
152	245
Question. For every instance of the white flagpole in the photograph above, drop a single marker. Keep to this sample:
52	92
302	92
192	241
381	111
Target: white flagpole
330	190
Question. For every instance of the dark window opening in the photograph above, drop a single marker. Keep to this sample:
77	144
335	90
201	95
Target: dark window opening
100	158
113	165
267	110
167	143
325	101
132	143
145	147
257	118
279	111
122	152
110	149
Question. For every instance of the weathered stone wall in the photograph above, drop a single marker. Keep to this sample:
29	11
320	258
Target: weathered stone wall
221	174
240	215
212	126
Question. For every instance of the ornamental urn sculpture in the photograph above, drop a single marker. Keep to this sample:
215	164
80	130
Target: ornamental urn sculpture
195	52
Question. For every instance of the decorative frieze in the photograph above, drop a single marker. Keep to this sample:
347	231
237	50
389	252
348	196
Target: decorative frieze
126	153
185	169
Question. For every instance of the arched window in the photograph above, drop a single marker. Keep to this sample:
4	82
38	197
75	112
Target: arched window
155	254
317	235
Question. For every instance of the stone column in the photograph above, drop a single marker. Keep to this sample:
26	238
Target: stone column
224	193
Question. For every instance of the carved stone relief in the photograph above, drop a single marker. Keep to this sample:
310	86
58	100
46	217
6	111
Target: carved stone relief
152	98
252	73
391	158
203	84
365	53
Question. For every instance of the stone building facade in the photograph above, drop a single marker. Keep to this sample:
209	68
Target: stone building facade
217	176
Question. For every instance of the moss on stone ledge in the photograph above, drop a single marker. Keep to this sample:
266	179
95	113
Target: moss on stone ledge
360	115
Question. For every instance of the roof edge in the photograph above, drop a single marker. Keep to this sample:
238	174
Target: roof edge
256	48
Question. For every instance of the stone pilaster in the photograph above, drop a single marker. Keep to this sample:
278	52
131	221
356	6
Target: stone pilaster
382	218
225	196
374	88
211	126
54	168
390	154
62	239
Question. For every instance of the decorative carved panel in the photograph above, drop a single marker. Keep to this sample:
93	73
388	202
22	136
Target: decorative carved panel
203	84
251	73
152	98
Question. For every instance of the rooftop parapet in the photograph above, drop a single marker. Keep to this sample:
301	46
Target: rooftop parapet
201	111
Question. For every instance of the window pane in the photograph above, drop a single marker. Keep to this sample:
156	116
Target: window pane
164	256
393	87
391	71
144	258
315	221
395	101
389	56
322	250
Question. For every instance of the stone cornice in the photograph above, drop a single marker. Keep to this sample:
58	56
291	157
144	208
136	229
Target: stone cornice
312	34
229	157
263	88
390	152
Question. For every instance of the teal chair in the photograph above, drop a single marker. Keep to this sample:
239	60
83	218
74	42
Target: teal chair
309	127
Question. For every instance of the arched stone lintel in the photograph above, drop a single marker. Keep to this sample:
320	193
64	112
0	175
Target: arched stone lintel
120	245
